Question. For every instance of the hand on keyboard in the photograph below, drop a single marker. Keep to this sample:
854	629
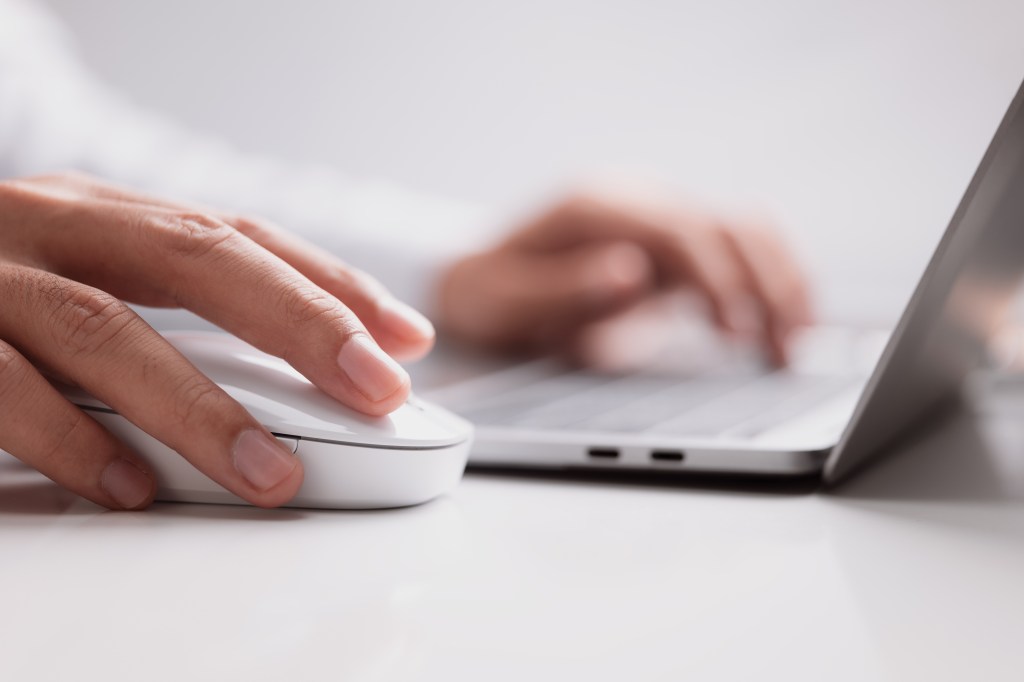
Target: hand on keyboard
565	277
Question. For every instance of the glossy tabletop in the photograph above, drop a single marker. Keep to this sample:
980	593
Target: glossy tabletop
913	570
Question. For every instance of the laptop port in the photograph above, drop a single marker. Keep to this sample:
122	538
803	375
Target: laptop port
603	453
668	455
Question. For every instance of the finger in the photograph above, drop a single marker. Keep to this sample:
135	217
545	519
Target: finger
557	293
778	283
687	247
101	345
46	432
400	330
537	298
638	338
199	262
701	255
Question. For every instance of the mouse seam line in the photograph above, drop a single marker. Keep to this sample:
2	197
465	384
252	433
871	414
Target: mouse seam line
107	410
369	445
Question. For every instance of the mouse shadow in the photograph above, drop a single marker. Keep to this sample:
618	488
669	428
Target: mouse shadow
45	498
39	498
244	512
25	492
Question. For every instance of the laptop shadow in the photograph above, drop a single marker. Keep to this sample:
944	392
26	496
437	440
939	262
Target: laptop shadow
960	456
683	481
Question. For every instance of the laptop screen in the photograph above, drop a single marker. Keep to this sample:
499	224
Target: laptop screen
958	305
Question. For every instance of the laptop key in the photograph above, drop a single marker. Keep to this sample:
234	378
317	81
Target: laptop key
704	406
769	399
642	414
572	411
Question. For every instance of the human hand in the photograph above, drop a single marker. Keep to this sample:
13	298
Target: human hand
71	247
558	280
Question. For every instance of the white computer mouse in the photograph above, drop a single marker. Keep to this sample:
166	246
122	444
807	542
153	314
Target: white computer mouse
351	461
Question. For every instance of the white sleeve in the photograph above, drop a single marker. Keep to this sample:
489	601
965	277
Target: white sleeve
56	115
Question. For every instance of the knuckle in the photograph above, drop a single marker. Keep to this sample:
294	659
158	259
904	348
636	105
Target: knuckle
63	177
192	235
312	308
197	399
48	187
310	314
17	192
88	319
709	231
357	281
9	360
689	242
721	230
253	226
63	434
758	236
580	201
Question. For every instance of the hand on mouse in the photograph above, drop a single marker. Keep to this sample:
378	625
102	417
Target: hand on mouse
567	275
71	248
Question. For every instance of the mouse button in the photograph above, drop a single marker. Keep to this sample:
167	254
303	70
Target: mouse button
245	366
286	402
304	411
420	422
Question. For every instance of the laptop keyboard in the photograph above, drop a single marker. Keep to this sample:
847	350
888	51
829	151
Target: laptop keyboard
700	407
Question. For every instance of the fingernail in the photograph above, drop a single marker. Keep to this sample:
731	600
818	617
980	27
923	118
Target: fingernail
126	483
404	320
262	460
372	370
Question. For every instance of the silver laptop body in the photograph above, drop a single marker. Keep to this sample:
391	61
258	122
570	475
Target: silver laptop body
816	417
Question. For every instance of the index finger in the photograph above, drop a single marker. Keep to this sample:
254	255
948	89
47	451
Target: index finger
201	263
778	282
399	329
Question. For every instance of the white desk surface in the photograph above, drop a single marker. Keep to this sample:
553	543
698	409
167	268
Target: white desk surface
913	571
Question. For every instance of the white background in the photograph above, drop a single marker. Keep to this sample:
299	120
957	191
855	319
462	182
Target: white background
855	124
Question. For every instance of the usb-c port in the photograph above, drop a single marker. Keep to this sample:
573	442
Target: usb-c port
667	455
604	453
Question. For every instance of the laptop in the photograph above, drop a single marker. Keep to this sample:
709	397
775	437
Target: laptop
816	417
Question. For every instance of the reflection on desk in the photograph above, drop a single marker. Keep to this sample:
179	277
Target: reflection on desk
913	570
